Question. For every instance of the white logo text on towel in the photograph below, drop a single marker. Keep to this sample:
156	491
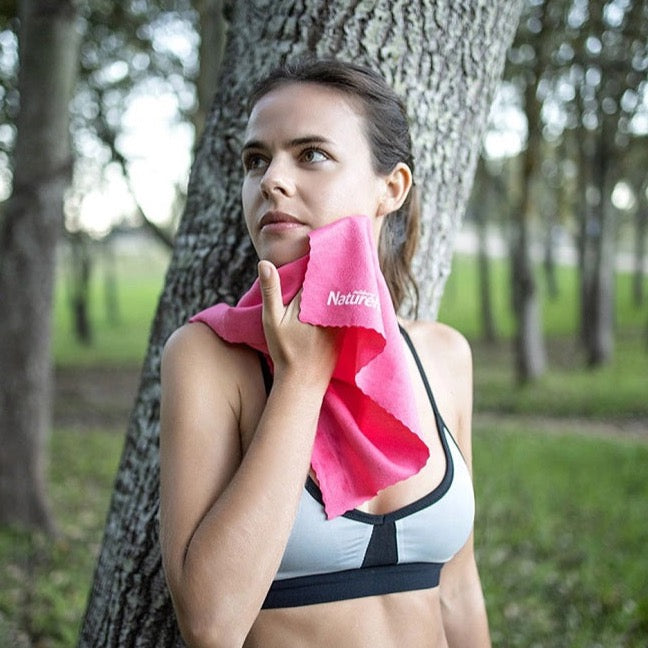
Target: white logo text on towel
354	298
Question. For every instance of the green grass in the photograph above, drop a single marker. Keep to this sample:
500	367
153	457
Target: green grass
569	388
618	390
460	303
561	537
560	533
44	582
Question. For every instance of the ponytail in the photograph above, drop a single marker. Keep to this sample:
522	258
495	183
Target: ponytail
399	240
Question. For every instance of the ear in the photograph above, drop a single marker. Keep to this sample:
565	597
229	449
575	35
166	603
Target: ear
397	185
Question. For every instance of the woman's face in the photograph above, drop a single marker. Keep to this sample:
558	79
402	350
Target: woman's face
307	163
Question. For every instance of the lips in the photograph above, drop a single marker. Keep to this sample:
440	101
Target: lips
276	218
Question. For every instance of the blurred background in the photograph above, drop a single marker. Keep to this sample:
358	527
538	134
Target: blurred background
548	284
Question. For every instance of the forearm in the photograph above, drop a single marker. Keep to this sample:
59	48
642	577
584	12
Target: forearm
236	549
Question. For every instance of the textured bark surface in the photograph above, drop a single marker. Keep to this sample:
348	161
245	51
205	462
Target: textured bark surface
445	57
213	31
31	222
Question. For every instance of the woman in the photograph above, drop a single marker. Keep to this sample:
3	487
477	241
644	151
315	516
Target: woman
324	140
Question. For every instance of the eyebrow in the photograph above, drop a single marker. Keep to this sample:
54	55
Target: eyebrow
297	141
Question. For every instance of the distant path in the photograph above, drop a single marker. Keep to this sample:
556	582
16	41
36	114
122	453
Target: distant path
95	396
631	429
104	396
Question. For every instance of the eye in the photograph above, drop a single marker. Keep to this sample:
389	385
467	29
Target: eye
314	155
253	161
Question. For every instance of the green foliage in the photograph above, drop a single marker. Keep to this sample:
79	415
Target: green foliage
561	537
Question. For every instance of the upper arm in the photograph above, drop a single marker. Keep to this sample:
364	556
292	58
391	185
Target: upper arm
200	445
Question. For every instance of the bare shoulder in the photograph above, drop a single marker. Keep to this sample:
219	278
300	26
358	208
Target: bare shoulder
192	342
441	344
195	349
202	375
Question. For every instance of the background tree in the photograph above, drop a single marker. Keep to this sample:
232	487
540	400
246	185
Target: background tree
530	353
445	58
485	204
129	49
579	69
29	228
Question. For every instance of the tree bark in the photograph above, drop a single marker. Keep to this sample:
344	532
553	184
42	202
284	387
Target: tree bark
530	352
445	57
213	33
29	230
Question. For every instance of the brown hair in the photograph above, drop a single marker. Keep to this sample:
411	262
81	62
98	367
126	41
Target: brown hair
387	130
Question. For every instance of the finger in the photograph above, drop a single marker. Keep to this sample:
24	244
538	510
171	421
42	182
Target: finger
270	291
295	303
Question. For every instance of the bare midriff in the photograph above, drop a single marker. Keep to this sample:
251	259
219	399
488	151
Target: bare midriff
411	619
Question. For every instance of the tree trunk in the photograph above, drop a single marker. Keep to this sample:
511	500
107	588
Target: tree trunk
549	262
445	57
213	32
489	332
529	348
30	226
111	294
585	224
80	271
641	231
599	267
485	199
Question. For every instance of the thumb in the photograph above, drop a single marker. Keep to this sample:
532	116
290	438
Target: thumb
270	291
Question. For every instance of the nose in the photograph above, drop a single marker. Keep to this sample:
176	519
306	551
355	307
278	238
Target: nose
277	180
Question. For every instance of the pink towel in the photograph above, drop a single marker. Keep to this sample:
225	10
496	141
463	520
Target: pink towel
368	433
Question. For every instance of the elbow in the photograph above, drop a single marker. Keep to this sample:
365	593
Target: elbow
208	617
210	636
211	631
201	636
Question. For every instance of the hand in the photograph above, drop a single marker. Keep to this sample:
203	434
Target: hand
301	349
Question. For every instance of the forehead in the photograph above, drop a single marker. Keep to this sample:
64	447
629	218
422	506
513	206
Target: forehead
306	108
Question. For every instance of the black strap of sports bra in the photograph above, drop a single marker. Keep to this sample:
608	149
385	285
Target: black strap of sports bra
265	370
419	365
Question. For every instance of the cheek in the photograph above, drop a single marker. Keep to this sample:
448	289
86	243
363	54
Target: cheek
247	197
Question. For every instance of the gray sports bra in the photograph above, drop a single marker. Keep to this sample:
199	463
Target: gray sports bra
360	554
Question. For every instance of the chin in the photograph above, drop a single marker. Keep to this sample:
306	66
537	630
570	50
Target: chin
286	254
